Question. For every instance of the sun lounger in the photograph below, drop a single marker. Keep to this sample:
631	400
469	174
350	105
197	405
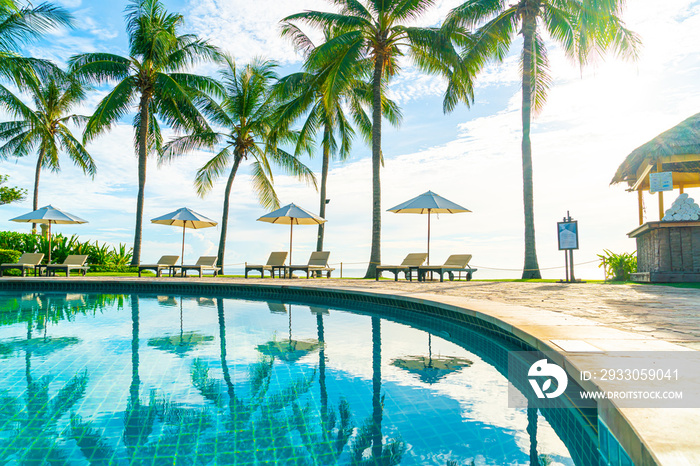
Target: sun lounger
204	263
318	262
411	261
454	263
27	261
274	262
72	262
165	262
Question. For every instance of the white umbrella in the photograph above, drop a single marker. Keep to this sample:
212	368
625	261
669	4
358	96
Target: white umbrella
428	203
48	215
184	218
292	215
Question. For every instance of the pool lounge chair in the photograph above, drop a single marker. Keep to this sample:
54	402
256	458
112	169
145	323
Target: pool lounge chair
27	261
72	262
454	263
318	262
204	263
165	262
412	260
274	262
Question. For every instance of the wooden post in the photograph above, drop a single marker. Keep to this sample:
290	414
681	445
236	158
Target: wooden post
680	188
640	201
661	193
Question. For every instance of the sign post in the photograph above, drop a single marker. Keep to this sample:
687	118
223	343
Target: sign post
567	239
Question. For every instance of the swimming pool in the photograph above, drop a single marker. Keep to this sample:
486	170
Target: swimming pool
172	379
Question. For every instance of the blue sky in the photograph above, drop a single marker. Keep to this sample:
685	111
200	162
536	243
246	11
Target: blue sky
594	117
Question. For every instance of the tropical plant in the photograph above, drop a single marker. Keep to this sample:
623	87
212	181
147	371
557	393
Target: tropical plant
247	116
45	127
101	257
152	76
305	94
19	25
618	267
10	193
580	27
376	32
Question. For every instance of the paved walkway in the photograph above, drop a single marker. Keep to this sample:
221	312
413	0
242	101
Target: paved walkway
663	312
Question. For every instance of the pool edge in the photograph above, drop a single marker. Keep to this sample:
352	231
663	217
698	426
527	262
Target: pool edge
650	436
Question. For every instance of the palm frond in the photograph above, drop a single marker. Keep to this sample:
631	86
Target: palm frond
99	67
213	169
76	151
114	106
263	186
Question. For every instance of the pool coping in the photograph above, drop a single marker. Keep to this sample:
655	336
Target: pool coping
660	436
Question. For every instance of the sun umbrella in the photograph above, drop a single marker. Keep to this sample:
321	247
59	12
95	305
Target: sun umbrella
292	215
184	218
428	203
431	369
49	215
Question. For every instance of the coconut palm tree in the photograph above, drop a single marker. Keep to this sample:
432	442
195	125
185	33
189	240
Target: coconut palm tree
376	32
19	25
44	128
247	116
314	96
580	27
151	78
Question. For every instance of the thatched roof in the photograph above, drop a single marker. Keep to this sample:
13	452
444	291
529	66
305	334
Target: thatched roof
682	139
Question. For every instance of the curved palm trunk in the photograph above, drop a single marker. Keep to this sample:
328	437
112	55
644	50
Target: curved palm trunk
530	269
324	180
143	156
37	174
375	252
224	216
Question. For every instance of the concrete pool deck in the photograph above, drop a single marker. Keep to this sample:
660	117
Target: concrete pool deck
606	317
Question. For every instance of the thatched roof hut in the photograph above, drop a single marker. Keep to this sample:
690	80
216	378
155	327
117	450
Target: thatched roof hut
677	150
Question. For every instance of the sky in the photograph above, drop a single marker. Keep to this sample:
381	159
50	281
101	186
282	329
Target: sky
594	117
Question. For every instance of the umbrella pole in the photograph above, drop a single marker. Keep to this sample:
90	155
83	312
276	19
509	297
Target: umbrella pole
49	261
429	238
291	227
182	257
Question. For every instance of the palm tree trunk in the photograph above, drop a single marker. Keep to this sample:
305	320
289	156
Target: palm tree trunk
224	216
143	157
530	269
37	174
375	252
324	180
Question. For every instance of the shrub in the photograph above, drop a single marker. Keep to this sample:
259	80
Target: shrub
9	256
618	267
101	258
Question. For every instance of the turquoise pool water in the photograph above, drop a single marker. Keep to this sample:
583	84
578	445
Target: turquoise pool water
149	379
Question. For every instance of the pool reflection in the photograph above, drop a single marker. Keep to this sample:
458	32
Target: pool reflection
119	383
